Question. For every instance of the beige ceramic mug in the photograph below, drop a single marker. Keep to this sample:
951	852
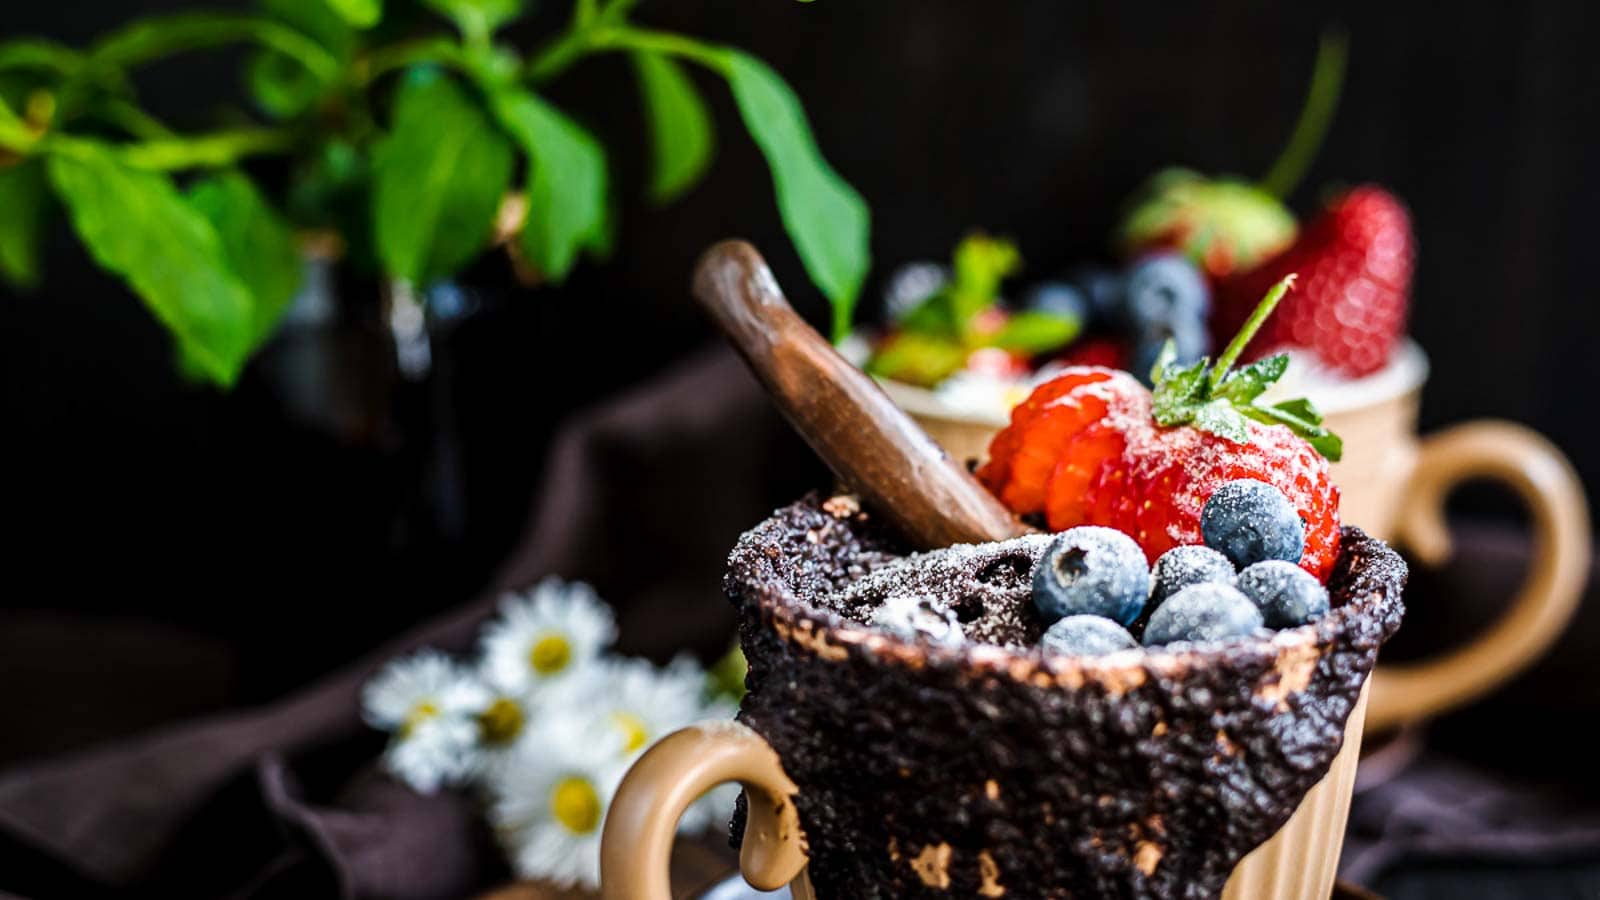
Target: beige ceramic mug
877	767
1394	485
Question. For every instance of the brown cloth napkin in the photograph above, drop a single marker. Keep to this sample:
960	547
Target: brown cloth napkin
642	497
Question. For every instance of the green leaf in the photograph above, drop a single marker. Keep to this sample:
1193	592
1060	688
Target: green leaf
23	198
1246	384
919	359
257	243
281	86
440	176
359	13
979	265
137	225
321	21
680	126
1302	409
477	19
1166	357
1179	391
932	316
566	184
1321	439
1034	332
825	217
1220	418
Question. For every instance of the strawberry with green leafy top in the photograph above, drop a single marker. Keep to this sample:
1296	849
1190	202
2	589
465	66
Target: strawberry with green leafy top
1229	224
1093	447
963	321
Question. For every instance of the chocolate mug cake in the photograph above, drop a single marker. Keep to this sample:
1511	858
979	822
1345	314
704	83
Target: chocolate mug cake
989	770
917	724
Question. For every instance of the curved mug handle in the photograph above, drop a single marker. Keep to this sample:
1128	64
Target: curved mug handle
1547	484
636	845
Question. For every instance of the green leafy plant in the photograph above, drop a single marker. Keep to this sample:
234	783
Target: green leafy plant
936	336
415	146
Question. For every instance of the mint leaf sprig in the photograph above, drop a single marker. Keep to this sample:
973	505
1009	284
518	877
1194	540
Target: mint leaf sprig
935	337
1218	399
419	152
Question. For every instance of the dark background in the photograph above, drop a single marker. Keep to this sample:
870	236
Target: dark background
167	509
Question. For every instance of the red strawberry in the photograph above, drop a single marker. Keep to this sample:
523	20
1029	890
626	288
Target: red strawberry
1024	455
1156	490
1354	264
1093	447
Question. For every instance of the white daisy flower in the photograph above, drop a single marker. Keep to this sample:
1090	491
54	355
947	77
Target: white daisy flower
547	803
428	702
545	635
625	705
622	706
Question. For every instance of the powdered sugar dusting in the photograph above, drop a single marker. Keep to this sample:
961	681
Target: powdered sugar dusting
988	587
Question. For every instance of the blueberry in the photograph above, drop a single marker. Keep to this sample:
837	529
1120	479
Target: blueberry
1190	564
1202	612
1287	595
918	617
1189	338
1164	288
1087	636
911	284
1093	570
1058	298
1251	521
1103	288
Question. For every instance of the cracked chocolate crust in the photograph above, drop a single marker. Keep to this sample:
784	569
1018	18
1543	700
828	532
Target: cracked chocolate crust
984	771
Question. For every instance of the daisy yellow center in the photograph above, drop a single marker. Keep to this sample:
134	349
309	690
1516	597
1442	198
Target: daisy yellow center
635	734
550	654
501	722
575	804
419	713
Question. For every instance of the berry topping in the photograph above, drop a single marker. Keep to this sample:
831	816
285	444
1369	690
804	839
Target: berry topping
1103	288
1057	298
918	617
1250	521
1165	289
1094	571
1202	612
1086	636
1093	447
1286	595
1225	223
1354	262
1190	564
963	314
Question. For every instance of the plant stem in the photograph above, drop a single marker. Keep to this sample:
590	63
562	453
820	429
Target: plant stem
135	121
592	29
161	36
1316	114
384	60
560	54
665	42
1251	326
35	54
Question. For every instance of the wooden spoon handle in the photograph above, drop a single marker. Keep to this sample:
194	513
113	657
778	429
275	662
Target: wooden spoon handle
869	442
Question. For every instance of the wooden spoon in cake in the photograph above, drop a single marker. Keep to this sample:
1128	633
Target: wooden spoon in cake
868	441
